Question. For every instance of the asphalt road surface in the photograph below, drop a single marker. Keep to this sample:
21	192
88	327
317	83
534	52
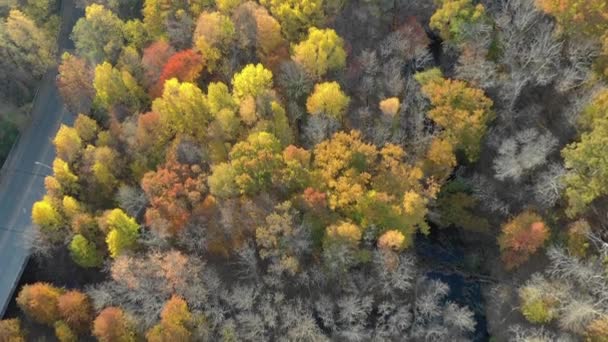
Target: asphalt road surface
22	176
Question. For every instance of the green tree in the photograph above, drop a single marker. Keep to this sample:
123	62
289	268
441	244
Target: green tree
183	109
322	52
227	6
84	252
99	35
135	33
539	300
280	124
44	13
586	161
123	232
222	182
327	98
251	81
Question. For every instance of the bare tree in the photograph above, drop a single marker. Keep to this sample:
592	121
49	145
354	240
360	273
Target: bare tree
549	186
530	50
522	153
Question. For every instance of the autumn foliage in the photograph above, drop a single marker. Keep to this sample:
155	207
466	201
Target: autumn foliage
112	325
76	310
40	302
174	324
521	237
10	331
75	83
174	190
185	65
155	56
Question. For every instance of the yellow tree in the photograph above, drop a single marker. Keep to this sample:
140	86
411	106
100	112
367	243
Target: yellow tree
392	239
390	106
450	18
123	232
321	52
64	175
371	186
67	143
183	109
251	81
45	215
440	159
327	98
463	112
296	16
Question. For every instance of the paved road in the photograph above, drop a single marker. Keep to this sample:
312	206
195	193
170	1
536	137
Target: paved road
22	179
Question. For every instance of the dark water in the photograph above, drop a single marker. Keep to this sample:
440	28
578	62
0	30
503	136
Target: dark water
443	248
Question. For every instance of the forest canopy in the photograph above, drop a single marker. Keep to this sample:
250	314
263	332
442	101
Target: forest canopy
321	170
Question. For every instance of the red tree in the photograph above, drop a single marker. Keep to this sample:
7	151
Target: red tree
154	58
185	65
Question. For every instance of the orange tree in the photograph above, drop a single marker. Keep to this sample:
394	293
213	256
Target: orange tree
521	237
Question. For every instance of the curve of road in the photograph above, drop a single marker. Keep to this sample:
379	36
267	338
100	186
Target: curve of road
22	177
